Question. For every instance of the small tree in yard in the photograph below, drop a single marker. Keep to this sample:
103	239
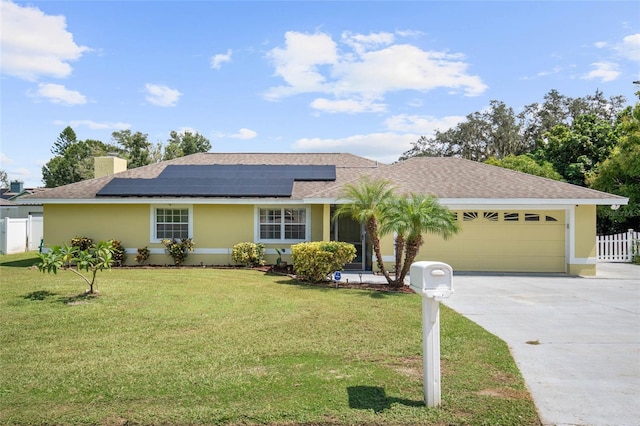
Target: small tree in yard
409	218
91	260
374	204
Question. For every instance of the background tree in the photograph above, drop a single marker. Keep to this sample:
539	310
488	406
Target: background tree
187	143
620	174
4	179
575	150
73	161
527	164
537	119
494	132
135	147
497	132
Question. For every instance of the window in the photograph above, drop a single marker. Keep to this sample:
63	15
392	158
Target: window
171	222
469	216
511	217
550	219
491	216
531	217
282	224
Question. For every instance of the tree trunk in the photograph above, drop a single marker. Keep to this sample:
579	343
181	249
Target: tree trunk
372	229
412	249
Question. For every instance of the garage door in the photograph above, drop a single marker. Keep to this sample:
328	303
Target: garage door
503	241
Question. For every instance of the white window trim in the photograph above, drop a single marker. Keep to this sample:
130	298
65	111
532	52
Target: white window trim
152	213
307	226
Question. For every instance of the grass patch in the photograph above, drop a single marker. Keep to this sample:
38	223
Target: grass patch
236	347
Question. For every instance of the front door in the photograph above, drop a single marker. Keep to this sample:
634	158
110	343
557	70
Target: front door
347	230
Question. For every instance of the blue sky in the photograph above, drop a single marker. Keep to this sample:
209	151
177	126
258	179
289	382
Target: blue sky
363	77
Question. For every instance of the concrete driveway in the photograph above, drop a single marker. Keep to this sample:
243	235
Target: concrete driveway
586	368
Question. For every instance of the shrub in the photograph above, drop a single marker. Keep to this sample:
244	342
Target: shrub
178	249
82	243
118	251
143	255
250	254
314	261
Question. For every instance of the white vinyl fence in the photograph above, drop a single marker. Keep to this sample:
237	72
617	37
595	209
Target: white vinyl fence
618	247
20	235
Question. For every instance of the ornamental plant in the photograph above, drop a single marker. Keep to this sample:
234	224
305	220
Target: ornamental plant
82	243
143	255
119	252
249	254
178	249
97	257
314	261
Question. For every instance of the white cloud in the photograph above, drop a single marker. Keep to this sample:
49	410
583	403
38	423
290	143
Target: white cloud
162	95
425	125
242	134
361	43
220	58
601	44
58	94
94	125
605	71
630	47
4	160
364	67
298	63
33	44
347	105
383	147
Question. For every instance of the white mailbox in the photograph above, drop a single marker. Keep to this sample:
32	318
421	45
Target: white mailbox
432	279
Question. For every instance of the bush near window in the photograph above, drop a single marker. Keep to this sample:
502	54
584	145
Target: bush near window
249	254
178	249
118	251
315	260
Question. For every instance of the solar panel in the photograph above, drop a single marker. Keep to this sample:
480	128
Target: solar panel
263	171
220	180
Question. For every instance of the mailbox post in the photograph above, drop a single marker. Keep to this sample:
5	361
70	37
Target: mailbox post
433	281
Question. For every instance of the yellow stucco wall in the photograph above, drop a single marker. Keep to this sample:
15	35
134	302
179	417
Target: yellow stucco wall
219	226
129	224
585	242
216	229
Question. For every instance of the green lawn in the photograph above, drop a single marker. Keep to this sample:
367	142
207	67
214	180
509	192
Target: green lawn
236	347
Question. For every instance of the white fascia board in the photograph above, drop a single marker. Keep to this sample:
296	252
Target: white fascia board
539	203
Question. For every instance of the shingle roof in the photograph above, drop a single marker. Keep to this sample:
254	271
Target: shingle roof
443	177
456	178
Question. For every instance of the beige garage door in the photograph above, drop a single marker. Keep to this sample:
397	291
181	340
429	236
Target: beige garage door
503	241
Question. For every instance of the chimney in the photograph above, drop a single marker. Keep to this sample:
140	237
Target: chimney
109	165
16	186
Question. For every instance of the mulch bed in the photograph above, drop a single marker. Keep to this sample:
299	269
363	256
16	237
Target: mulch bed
287	272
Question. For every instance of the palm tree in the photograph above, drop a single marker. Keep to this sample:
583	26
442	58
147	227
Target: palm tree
367	199
409	218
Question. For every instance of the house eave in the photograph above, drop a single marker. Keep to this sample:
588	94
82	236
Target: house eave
449	202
